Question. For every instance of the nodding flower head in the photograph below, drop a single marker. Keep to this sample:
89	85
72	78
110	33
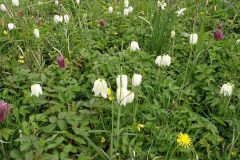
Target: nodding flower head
102	23
60	61
218	34
3	110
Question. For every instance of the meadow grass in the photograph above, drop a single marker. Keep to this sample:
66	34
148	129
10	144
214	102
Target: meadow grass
179	111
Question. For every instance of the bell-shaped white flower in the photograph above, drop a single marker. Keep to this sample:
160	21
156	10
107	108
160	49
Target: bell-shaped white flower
164	60
36	33
130	9
227	89
15	3
56	2
124	96
66	18
193	38
11	26
110	9
36	90
134	46
173	34
126	3
100	87
130	97
136	79
3	8
78	2
125	12
158	61
122	81
58	19
180	12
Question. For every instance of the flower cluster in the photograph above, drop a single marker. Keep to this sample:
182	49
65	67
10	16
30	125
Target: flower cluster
60	18
128	9
124	96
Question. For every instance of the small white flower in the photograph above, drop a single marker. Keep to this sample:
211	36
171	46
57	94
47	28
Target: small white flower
125	12
180	12
56	2
66	18
164	60
130	9
36	90
161	4
110	9
126	3
3	8
122	81
227	89
36	33
100	87
15	3
124	96
173	33
193	38
78	2
11	26
238	41
136	79
58	19
134	46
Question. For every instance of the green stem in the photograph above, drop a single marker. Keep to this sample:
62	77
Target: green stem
135	108
118	125
2	149
186	71
226	108
173	152
111	147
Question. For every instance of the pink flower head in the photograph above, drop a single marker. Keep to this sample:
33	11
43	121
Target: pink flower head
102	23
218	34
3	110
60	61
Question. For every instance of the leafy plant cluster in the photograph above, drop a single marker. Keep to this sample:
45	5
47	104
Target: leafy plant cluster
69	122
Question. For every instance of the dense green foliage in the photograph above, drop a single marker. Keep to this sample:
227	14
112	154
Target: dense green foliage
69	122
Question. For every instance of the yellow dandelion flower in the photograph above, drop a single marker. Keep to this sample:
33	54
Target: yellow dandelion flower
139	126
103	140
5	32
21	61
184	140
